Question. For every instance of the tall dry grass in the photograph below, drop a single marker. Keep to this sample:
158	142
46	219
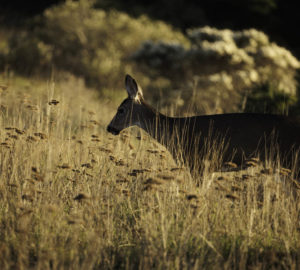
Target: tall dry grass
74	197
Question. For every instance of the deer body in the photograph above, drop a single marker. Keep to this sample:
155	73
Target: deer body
241	134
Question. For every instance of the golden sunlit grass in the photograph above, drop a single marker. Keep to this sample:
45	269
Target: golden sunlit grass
73	196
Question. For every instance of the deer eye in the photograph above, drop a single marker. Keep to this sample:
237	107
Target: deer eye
121	110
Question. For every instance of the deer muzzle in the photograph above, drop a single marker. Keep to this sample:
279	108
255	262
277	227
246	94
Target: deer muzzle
113	130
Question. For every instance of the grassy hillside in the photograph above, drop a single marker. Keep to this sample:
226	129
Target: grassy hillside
73	196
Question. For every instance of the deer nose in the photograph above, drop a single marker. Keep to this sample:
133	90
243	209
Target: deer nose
112	130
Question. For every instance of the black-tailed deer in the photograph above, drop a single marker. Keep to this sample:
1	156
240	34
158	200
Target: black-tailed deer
239	135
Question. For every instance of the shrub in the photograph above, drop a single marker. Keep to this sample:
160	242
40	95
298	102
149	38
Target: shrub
266	98
94	44
4	49
211	70
28	54
221	66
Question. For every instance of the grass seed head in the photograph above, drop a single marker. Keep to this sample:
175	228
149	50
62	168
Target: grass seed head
81	196
15	137
194	206
33	108
31	139
221	187
53	102
9	128
246	177
27	197
166	176
38	177
105	150
153	181
295	184
30	181
251	163
3	87
230	165
152	151
223	178
3	108
94	122
267	171
64	166
285	171
41	135
125	192
5	144
19	131
254	159
236	188
177	169
132	174
122	180
130	146
150	187
136	171
87	165
232	197
13	185
120	162
191	196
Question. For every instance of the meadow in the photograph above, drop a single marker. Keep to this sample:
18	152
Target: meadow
72	196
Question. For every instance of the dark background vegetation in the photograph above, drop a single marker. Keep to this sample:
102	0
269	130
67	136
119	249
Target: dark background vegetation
279	19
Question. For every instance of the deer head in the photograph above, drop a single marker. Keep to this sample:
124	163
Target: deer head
130	112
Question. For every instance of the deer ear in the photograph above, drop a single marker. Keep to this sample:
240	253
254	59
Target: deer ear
133	89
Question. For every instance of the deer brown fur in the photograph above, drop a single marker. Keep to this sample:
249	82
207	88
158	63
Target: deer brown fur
240	135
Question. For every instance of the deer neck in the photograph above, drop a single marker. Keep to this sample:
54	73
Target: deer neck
157	125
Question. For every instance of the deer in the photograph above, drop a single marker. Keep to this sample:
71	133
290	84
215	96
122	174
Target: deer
237	135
